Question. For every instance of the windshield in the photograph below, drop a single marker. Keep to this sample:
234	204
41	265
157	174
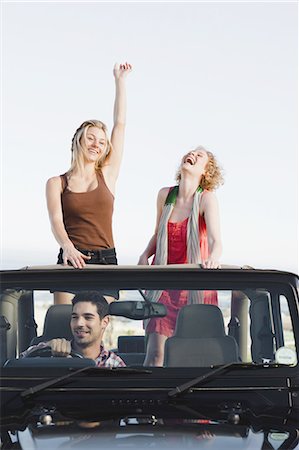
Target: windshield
201	328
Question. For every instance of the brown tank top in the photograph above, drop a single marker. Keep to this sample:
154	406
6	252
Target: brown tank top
87	216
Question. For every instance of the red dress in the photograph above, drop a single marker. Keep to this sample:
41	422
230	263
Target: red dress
174	300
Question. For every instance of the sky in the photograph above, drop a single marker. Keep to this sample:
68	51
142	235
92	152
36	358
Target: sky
218	74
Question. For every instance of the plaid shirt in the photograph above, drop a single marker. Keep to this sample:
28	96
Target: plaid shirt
105	358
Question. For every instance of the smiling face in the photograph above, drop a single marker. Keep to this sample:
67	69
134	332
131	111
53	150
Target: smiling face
195	162
90	144
86	325
95	144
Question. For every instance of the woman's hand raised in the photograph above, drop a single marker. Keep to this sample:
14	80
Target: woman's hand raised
120	71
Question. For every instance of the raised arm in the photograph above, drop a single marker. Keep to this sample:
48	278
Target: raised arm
70	253
111	170
151	246
210	210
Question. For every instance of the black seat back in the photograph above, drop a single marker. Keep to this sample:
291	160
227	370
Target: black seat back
56	325
131	349
131	344
199	339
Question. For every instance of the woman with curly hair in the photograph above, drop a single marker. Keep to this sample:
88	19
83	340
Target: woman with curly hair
80	202
187	231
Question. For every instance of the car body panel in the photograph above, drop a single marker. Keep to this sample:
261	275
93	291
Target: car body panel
247	404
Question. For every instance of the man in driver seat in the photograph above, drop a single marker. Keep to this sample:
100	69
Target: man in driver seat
88	324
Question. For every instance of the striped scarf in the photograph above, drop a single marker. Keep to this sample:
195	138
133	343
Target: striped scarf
193	239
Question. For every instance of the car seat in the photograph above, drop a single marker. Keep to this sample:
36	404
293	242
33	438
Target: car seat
199	339
131	349
56	325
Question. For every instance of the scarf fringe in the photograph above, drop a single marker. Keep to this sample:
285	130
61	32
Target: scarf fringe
193	240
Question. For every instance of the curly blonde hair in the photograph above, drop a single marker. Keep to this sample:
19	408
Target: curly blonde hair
212	178
79	144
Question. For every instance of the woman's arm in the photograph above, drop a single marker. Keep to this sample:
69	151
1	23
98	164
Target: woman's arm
149	251
111	170
210	210
70	253
151	246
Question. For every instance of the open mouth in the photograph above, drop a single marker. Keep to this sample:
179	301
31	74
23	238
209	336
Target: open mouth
92	150
81	334
190	160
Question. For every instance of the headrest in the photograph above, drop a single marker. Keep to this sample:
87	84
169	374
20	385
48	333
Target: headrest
57	322
200	321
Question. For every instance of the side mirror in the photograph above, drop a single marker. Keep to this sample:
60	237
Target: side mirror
137	310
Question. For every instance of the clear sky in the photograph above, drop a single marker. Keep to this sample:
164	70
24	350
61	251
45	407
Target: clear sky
223	75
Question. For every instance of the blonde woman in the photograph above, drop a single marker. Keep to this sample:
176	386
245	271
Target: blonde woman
80	202
187	231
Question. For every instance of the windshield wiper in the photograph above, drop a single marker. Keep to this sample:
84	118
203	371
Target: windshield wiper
182	388
42	386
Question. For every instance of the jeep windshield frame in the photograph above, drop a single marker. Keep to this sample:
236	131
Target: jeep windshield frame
272	389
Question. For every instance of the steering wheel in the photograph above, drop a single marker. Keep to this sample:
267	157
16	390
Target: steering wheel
46	352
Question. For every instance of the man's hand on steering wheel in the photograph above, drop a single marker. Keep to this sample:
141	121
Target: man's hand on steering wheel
60	347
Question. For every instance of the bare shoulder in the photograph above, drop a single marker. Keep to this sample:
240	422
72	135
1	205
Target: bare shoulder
207	195
162	194
209	198
163	191
54	183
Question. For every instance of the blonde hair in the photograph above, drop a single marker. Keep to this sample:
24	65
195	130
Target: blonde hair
212	178
79	145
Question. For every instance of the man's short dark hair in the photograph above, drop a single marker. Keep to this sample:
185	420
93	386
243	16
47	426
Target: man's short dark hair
94	297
